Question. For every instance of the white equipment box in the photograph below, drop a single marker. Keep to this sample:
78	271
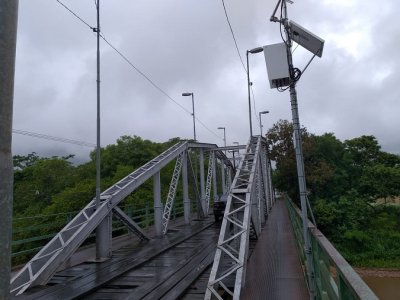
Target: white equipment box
277	65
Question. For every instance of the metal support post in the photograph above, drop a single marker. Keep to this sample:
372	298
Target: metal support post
299	158
261	192
8	37
202	184
248	91
104	230
214	178
223	184
158	207
186	200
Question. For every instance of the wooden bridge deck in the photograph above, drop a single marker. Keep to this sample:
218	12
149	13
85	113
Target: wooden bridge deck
274	270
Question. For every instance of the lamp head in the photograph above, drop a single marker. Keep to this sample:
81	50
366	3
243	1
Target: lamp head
221	128
264	112
187	94
255	50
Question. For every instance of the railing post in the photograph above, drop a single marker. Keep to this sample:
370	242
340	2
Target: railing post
158	208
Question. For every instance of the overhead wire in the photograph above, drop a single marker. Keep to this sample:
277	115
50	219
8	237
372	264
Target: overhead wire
233	36
240	57
138	70
54	138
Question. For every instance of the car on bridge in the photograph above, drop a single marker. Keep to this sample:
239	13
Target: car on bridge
219	207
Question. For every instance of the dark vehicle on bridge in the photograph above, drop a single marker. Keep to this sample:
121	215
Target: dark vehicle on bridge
219	207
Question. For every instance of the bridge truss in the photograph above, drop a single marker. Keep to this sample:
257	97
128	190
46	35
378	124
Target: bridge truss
46	262
248	203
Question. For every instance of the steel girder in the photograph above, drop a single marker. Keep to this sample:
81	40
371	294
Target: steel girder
45	263
230	259
172	192
128	222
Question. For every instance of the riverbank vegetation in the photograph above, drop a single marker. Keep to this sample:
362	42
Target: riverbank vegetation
351	187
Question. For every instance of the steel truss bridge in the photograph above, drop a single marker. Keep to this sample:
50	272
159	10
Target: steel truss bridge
256	252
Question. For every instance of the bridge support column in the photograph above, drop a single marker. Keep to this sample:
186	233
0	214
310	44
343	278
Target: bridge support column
214	178
223	178
186	200
104	238
202	185
158	207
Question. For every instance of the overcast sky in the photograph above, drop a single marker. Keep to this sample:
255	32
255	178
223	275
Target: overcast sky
186	46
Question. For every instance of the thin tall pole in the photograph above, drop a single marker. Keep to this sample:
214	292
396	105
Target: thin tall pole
8	38
194	119
299	159
103	231
248	92
98	109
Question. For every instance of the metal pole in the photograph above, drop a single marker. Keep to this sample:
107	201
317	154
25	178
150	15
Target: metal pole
202	185
299	159
8	39
260	124
158	207
98	109
186	200
104	230
214	177
223	177
225	140
248	91
194	119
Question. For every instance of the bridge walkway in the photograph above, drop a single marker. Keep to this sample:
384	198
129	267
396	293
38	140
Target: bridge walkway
274	269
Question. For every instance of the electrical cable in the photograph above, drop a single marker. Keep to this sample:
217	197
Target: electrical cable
138	70
78	17
233	36
53	138
240	57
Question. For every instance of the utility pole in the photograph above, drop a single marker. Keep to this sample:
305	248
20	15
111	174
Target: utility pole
8	40
299	156
103	230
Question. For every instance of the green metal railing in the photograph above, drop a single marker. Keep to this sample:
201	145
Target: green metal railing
30	234
334	277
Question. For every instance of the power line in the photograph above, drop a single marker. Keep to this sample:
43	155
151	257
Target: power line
138	70
240	57
233	36
53	138
76	16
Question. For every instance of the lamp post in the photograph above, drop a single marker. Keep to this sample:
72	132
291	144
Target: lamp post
194	117
262	113
223	128
252	51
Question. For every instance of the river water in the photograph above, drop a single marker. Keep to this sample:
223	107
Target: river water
386	288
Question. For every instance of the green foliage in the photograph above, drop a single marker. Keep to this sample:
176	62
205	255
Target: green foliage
53	188
345	180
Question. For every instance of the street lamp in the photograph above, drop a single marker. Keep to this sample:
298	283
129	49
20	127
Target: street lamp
194	117
262	113
252	51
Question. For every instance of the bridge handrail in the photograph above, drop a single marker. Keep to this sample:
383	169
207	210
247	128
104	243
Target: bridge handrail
142	216
334	277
